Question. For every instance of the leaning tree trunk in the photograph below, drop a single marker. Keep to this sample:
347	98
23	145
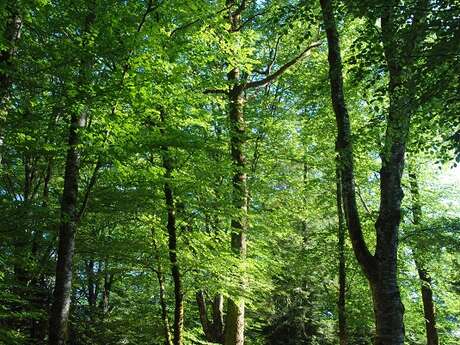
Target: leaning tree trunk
425	279
343	336
428	305
381	268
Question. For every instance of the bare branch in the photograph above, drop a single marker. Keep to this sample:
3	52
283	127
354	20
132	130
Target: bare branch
281	70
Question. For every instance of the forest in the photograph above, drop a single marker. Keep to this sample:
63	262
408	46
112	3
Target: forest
259	172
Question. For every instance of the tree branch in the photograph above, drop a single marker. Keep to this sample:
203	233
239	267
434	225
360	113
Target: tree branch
215	91
281	70
193	22
89	187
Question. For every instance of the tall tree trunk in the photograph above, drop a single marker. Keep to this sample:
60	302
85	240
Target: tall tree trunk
234	324
343	336
172	245
70	215
68	226
425	279
380	269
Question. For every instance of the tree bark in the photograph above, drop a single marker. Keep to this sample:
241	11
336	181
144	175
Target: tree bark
428	305
380	269
12	33
161	284
425	279
205	323
234	323
218	318
213	329
68	226
172	245
343	336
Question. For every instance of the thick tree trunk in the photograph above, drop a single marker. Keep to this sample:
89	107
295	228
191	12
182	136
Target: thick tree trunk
381	269
172	245
63	284
425	279
388	310
234	323
343	336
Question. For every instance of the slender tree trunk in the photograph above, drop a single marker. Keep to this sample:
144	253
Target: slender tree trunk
172	245
161	284
205	323
11	34
425	279
428	306
343	336
63	284
89	265
70	215
213	329
108	281
39	297
305	191
164	309
381	269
